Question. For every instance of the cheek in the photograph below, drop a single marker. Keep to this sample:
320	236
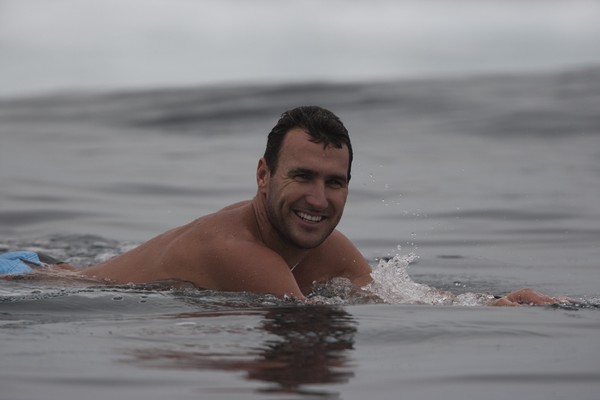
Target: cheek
277	192
339	199
285	188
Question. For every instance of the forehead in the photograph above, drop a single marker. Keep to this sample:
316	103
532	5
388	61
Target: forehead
299	151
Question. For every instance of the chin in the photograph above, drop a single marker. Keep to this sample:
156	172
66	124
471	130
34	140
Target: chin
308	243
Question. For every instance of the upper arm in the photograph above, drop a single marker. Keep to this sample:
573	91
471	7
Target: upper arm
247	267
339	257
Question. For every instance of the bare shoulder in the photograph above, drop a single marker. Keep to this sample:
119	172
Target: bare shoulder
182	253
222	252
247	265
233	206
336	257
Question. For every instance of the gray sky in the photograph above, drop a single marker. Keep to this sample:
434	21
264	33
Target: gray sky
107	44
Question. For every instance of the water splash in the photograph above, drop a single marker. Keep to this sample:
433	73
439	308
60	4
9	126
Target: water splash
392	284
340	291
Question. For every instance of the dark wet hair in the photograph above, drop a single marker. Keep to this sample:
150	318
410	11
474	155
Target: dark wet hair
322	125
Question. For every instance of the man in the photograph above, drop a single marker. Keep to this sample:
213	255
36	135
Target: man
284	239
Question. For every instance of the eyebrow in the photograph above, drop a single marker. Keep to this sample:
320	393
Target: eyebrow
311	172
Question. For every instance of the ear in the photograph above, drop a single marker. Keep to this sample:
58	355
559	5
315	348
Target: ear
262	174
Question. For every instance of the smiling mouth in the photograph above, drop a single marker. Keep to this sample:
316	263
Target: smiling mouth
309	218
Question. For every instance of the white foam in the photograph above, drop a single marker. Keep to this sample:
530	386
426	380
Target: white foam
392	284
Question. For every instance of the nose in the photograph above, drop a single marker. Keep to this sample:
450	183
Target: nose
317	197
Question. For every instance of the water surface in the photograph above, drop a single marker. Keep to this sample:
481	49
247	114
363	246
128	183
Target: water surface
490	182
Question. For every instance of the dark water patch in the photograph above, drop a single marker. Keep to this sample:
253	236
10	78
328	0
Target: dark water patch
536	105
578	304
579	234
43	303
37	216
460	283
85	304
475	240
199	110
544	105
42	198
553	231
155	189
504	215
530	377
209	110
196	120
547	122
202	300
286	347
498	214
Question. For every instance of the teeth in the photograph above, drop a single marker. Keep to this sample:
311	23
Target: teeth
308	217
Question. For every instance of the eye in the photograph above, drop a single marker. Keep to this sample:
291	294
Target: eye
301	176
336	183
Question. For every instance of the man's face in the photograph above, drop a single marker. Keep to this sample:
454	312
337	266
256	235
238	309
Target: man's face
306	194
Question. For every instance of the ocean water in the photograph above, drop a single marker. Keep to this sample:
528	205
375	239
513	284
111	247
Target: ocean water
482	184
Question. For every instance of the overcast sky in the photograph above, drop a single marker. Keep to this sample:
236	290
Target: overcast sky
106	44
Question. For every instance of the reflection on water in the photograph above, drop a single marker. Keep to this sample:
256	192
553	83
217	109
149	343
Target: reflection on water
303	346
